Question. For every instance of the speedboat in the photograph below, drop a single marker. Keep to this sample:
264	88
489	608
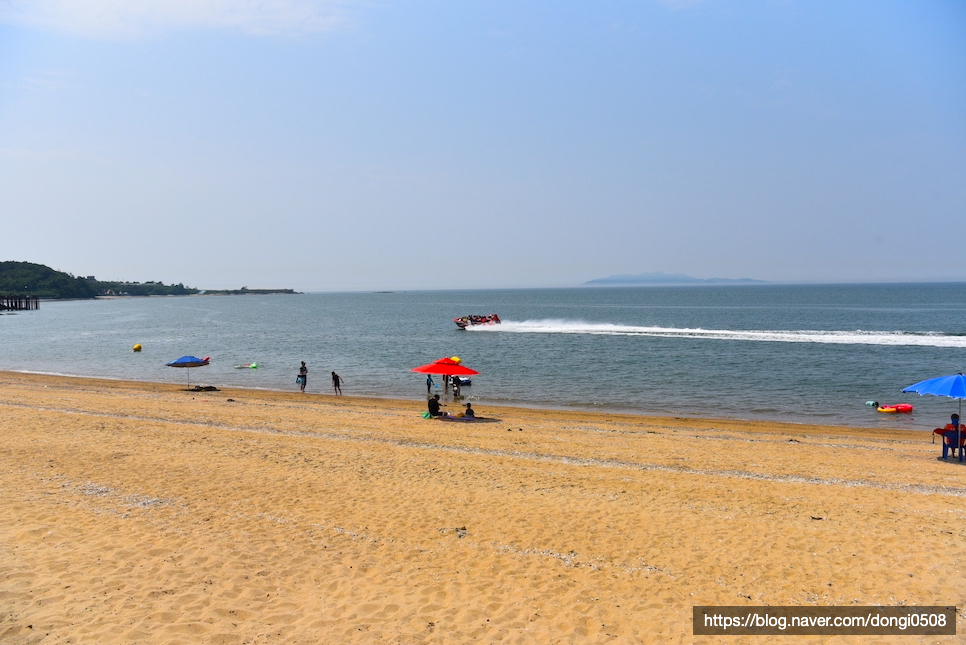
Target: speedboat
472	321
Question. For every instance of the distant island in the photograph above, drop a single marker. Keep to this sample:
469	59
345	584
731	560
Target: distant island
28	278
659	278
245	291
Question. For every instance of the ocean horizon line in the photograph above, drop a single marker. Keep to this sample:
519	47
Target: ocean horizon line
301	291
592	287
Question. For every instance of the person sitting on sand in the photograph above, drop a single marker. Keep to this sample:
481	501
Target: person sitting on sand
953	431
469	411
433	405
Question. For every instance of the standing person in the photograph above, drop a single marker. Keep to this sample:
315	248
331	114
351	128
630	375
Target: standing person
337	383
429	383
303	376
457	387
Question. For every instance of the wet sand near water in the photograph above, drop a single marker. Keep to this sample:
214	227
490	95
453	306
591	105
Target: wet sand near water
141	513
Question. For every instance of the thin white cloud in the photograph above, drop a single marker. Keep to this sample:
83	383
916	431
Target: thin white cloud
137	18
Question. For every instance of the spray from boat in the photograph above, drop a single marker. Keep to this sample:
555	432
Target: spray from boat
855	337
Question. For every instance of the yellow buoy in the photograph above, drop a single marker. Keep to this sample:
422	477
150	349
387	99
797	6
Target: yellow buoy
137	347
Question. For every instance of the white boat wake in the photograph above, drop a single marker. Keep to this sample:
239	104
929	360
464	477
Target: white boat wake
858	337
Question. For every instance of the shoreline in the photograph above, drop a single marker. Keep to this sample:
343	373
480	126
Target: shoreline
513	406
487	412
142	512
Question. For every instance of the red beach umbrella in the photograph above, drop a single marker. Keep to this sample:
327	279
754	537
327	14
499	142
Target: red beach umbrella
445	366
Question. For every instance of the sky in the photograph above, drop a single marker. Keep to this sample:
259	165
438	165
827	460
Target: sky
341	145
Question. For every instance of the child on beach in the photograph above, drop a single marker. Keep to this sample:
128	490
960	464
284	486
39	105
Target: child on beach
337	383
953	434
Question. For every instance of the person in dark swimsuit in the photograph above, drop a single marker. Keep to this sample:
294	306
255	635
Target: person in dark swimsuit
433	406
336	383
303	376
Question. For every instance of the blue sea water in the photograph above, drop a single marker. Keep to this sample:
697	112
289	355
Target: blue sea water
795	353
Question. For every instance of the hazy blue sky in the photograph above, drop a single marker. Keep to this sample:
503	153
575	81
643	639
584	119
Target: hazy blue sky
400	145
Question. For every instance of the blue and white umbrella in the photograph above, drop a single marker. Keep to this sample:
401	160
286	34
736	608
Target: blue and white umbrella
188	362
953	386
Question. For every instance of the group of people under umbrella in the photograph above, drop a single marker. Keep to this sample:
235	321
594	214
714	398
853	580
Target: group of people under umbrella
449	368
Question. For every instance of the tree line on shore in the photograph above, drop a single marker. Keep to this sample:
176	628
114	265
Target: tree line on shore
27	278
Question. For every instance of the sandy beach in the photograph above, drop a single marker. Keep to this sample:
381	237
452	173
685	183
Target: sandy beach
142	513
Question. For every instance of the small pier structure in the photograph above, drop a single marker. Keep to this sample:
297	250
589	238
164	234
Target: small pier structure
18	303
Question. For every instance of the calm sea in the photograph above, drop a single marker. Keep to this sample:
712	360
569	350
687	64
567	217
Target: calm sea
797	353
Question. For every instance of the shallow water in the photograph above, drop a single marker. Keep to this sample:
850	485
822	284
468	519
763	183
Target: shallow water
794	353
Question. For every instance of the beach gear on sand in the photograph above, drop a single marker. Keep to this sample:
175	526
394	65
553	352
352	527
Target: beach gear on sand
189	362
953	386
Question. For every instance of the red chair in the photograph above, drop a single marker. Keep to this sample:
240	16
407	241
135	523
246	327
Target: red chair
949	441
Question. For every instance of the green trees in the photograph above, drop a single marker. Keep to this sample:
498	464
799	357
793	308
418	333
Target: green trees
27	278
142	289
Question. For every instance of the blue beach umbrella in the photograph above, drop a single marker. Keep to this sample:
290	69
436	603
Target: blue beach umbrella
953	386
188	362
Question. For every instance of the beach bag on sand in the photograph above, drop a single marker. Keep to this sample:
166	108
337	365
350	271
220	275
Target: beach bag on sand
427	415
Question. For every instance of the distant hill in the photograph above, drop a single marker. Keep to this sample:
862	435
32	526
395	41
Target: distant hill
659	278
27	278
